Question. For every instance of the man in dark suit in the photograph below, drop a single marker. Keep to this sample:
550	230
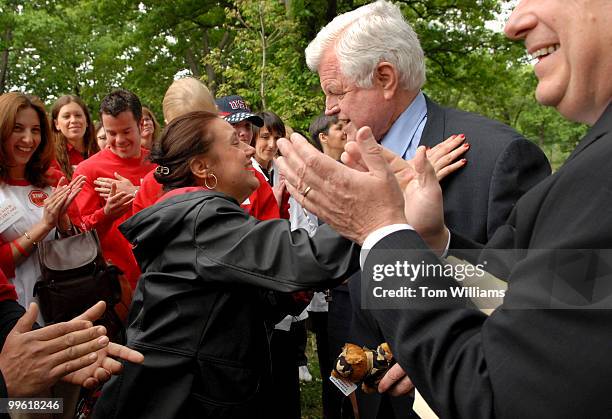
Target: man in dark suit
545	351
477	199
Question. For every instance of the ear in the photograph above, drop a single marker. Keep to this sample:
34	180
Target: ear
200	168
56	124
141	124
387	77
323	138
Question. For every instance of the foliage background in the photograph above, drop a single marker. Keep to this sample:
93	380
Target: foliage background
255	48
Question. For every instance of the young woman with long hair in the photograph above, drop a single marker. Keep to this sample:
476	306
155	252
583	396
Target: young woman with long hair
74	134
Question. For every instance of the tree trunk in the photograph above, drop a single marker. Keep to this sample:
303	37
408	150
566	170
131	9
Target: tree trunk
4	59
211	77
193	63
332	10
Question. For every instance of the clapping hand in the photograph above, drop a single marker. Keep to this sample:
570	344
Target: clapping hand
56	205
103	185
117	203
32	361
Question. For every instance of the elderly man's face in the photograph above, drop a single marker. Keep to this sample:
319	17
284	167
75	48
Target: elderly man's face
570	39
360	106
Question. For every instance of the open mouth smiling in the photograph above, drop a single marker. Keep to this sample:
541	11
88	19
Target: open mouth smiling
540	53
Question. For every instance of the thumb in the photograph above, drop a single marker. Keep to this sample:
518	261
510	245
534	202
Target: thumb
119	177
423	168
113	190
372	152
25	322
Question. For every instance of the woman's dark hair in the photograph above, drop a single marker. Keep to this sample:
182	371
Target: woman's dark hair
89	138
272	122
38	165
321	125
185	137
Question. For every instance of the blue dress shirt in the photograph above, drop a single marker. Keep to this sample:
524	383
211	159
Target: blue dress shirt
405	134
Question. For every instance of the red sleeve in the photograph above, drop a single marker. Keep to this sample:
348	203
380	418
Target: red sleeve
90	205
7	290
7	263
54	174
148	194
263	203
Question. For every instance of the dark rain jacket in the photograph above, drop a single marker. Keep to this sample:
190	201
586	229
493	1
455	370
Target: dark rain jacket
197	313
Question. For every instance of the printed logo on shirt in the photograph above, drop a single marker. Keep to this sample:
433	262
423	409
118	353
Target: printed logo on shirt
37	197
9	214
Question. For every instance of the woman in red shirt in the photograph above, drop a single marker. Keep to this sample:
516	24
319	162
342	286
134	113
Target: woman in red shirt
74	134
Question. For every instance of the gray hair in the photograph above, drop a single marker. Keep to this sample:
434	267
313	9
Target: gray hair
366	36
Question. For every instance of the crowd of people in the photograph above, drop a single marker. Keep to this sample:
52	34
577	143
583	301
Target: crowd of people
232	232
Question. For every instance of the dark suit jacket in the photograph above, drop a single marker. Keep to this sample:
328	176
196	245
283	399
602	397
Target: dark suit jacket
502	166
524	361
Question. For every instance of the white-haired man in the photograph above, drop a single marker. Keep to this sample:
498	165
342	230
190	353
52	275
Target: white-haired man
545	352
371	67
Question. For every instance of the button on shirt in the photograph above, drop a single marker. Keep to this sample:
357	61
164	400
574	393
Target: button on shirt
405	134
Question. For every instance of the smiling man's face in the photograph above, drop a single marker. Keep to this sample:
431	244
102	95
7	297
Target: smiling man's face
570	39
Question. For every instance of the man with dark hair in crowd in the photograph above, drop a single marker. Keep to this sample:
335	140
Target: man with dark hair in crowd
113	176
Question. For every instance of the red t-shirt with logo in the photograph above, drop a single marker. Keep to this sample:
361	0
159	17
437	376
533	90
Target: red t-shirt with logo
105	163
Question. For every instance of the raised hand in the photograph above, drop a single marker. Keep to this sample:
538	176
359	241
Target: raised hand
103	185
278	190
55	205
117	203
104	366
353	202
33	360
424	207
444	157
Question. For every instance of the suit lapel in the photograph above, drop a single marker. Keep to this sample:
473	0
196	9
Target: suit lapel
433	132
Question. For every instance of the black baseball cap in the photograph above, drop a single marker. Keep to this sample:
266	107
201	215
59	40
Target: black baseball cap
234	110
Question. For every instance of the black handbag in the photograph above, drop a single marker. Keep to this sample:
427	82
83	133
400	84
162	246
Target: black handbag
74	276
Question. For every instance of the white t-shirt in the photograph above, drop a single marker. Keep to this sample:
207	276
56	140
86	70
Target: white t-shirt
29	201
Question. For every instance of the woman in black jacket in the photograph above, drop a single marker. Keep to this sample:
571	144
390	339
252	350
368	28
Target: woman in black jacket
197	313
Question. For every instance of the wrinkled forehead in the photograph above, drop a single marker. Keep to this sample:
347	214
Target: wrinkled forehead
329	67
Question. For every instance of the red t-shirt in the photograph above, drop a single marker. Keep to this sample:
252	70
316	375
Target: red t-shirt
74	157
91	206
261	204
148	194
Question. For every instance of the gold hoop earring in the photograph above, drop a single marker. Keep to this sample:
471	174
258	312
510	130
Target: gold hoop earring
206	181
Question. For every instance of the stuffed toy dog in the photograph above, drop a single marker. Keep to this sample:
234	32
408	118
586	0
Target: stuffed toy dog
363	365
